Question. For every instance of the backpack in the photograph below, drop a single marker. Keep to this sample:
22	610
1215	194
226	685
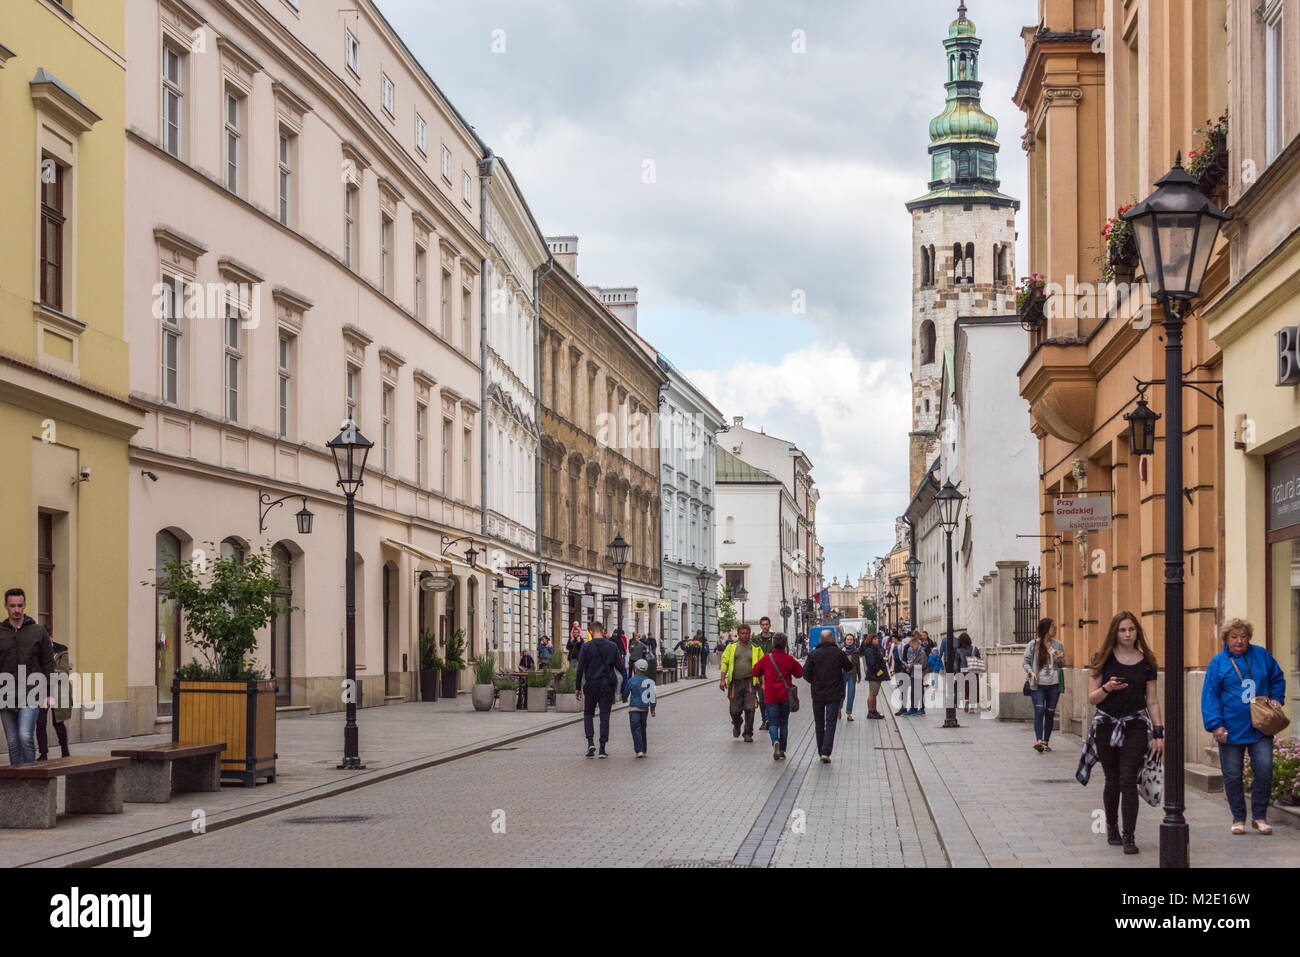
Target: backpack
63	666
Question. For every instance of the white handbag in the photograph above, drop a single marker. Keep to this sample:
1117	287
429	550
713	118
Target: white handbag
1151	779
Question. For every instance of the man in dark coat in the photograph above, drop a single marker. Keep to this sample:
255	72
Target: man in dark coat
26	659
600	665
825	670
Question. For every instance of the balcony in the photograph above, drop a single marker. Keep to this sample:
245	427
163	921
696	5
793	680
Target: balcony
1058	383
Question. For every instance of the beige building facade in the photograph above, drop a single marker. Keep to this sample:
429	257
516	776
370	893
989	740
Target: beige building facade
303	247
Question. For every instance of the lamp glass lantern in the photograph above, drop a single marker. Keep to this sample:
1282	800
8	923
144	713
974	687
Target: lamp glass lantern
471	553
895	587
742	594
304	518
949	501
350	449
1142	429
545	578
913	567
1175	228
618	551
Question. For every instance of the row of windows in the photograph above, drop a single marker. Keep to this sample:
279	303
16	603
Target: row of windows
388	101
963	264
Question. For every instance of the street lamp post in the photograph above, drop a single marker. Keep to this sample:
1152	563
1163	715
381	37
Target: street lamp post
618	555
949	501
785	617
741	594
703	579
895	587
1175	227
350	449
913	570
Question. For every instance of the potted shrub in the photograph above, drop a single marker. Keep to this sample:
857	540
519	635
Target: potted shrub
1208	163
566	691
1030	299
482	693
1119	262
453	663
539	687
507	697
430	665
222	698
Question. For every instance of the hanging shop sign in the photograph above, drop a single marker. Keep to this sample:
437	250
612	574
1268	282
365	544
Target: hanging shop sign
1288	356
640	604
1086	514
437	583
523	576
1284	492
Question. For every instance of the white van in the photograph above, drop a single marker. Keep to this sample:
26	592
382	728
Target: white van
858	626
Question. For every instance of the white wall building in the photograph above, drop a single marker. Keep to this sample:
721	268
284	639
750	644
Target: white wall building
512	438
687	424
992	459
757	535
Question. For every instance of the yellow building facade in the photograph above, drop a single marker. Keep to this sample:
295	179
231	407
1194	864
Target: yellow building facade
1256	322
64	416
1112	93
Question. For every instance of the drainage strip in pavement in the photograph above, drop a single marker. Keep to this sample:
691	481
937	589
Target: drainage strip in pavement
955	835
759	846
96	854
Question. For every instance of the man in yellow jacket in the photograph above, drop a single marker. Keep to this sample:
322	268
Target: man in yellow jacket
739	681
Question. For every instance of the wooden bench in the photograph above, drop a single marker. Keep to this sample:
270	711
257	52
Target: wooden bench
158	771
29	792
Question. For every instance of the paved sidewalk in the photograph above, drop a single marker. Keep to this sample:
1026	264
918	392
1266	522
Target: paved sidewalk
395	740
995	797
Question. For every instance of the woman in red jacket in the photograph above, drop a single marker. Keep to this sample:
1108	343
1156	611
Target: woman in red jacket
778	669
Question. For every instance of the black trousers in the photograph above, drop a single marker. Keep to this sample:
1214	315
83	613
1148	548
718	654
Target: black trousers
1121	766
593	695
43	738
825	714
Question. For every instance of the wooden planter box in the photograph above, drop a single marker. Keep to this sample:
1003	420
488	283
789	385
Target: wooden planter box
239	713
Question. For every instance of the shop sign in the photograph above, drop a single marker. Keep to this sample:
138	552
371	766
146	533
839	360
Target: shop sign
523	575
665	604
1284	492
1082	514
640	604
437	583
1288	356
610	599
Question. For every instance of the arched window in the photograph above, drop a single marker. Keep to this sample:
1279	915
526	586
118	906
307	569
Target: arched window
927	342
958	264
925	266
233	548
730	535
970	264
961	67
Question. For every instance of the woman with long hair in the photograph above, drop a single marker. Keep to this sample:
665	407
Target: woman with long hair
1122	686
1044	659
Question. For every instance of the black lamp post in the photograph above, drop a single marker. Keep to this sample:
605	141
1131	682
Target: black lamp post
741	594
913	570
703	579
350	449
1175	227
618	555
895	587
949	501
785	617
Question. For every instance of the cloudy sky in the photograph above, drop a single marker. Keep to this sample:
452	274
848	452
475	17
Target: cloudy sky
733	159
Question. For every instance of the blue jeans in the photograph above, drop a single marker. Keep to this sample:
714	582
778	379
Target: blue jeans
20	733
640	724
778	722
1232	761
1045	699
850	687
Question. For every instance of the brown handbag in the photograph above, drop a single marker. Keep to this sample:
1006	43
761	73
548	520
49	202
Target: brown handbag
1267	717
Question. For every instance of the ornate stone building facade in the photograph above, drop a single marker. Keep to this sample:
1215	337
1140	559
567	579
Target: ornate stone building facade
963	237
600	456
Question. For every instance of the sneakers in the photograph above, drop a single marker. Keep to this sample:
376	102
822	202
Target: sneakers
749	739
776	751
901	712
923	712
1113	838
1129	846
763	726
913	713
850	717
591	750
640	754
735	730
826	759
602	753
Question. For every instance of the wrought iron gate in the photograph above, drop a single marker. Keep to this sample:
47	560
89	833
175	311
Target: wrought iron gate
1028	610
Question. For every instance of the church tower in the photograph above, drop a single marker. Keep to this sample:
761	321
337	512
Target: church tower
963	238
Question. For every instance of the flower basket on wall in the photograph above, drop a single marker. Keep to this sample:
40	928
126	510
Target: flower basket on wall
1208	163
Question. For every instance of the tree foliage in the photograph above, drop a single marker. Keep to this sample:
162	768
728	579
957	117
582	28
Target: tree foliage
727	619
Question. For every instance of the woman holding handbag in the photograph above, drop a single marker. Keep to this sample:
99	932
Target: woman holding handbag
778	669
1044	659
1241	708
877	672
1123	689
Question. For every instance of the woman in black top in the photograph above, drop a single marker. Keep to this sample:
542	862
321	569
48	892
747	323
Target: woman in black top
1123	687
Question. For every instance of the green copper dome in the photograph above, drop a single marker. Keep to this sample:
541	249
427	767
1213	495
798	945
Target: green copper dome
961	27
963	120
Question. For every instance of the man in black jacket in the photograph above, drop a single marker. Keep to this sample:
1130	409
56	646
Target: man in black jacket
25	653
825	670
600	663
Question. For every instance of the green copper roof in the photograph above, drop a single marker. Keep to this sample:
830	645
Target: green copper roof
962	121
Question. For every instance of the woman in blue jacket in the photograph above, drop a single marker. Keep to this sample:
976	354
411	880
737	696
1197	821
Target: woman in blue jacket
1237	674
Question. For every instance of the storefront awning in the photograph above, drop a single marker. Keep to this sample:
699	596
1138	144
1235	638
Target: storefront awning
447	562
